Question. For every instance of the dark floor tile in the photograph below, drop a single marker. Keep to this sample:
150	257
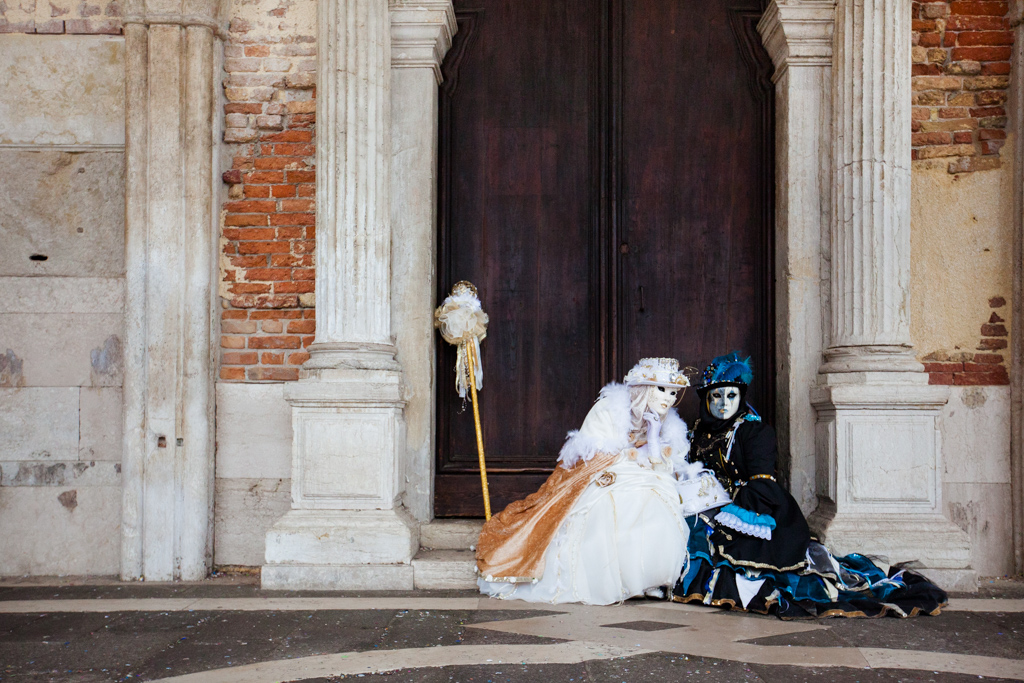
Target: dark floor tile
666	667
489	673
797	674
978	633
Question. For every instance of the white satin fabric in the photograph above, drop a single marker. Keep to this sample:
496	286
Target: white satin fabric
618	541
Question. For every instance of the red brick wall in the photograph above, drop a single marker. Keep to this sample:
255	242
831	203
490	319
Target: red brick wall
983	366
268	221
961	72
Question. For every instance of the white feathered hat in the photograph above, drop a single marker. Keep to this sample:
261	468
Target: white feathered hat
662	372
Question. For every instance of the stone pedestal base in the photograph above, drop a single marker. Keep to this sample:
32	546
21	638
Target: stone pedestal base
346	528
341	550
879	474
935	546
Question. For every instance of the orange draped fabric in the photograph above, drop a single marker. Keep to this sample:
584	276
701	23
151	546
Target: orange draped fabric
512	542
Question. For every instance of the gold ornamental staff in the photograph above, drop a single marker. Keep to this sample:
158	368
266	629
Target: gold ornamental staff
463	323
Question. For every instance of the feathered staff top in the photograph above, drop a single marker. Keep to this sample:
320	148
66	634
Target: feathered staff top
607	426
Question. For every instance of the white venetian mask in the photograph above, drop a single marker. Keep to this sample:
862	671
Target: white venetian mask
661	399
724	402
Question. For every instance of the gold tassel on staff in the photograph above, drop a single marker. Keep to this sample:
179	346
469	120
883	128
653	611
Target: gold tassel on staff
463	323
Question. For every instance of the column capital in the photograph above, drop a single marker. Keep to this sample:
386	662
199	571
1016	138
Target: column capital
421	34
798	33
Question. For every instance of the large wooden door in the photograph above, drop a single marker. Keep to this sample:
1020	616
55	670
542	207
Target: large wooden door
605	180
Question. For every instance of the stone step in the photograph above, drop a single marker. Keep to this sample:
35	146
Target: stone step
444	569
450	534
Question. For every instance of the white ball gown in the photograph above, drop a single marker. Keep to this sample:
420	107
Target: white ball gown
622	532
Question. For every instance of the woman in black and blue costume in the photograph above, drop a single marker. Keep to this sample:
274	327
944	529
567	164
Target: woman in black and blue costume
757	553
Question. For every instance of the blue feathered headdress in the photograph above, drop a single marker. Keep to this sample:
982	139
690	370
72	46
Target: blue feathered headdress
730	368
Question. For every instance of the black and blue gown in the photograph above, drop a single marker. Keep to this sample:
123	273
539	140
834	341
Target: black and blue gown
757	553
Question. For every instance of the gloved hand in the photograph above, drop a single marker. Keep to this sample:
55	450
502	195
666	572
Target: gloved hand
653	435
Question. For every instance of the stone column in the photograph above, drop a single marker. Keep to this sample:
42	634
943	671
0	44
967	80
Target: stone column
879	456
421	33
347	528
168	386
798	37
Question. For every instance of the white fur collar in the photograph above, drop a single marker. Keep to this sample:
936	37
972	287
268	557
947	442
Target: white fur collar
606	429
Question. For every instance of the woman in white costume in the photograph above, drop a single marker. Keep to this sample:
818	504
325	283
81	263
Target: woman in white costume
606	525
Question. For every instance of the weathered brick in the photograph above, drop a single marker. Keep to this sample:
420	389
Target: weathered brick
246	219
937	83
982	8
250	206
293	219
249	288
264	301
301	176
988	358
263	247
953	113
239	357
239	134
232	373
948	125
268	274
966	67
989	98
986	82
275	342
963	137
991	134
945	151
230	342
297	357
981	54
275	315
994	378
985	38
993	330
272	358
996	302
929	98
272	326
991	344
237	327
294	287
302	327
918	139
945	378
270	122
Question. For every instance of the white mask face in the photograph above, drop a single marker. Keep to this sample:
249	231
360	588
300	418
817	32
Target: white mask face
662	398
724	402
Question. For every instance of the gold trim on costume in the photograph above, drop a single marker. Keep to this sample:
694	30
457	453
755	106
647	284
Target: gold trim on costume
759	565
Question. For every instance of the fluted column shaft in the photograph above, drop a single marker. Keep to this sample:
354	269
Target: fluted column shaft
870	237
353	238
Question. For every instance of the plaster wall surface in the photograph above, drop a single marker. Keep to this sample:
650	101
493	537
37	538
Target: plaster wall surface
975	428
254	464
961	253
61	317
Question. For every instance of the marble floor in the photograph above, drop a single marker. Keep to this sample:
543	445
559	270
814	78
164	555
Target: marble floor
228	630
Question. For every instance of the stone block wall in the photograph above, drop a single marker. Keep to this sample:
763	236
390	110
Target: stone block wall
55	17
961	54
268	235
61	302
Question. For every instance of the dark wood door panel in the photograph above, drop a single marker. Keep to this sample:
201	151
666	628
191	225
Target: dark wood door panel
605	179
694	175
516	220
